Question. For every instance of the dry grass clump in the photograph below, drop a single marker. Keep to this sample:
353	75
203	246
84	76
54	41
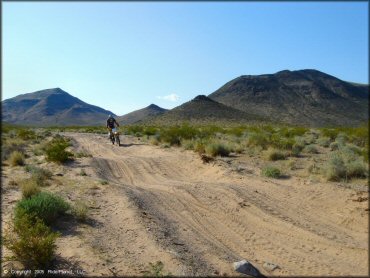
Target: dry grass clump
274	154
311	149
29	188
80	211
16	158
217	149
39	175
324	142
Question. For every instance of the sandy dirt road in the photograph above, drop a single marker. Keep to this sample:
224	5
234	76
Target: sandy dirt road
165	204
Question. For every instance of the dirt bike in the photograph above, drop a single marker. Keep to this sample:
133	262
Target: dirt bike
114	136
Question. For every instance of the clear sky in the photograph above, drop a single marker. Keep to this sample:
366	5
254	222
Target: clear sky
123	56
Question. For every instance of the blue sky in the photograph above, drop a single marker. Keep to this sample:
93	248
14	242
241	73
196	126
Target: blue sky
123	56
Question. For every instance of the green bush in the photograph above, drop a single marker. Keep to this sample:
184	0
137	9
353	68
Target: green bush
26	134
217	149
44	205
29	188
271	172
16	158
274	154
31	241
258	139
55	150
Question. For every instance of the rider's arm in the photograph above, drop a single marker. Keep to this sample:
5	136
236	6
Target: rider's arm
116	122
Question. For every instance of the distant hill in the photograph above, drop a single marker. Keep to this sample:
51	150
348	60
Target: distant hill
303	97
51	107
203	110
141	114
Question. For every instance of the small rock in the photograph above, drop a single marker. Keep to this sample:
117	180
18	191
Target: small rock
59	174
270	266
246	267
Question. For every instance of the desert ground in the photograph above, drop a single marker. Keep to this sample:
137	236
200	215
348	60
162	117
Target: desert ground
148	203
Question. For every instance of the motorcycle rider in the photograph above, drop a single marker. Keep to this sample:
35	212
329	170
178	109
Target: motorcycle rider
111	123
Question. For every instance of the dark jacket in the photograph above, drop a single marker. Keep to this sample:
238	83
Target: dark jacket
111	122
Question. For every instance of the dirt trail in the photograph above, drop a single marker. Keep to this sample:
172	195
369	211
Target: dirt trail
165	204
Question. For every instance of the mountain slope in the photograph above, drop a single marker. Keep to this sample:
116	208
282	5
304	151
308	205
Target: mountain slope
141	114
304	97
51	107
203	110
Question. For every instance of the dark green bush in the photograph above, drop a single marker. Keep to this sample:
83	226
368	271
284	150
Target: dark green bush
43	205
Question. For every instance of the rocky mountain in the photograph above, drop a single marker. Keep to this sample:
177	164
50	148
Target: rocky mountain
203	110
51	107
141	114
303	97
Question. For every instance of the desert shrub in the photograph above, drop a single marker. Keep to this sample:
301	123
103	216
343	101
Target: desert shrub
44	205
156	270
31	241
82	154
296	149
324	142
149	131
330	133
309	138
334	146
335	168
174	135
258	139
80	211
356	169
26	134
310	149
199	147
300	141
187	144
341	138
217	149
357	150
104	182
271	172
274	154
83	172
313	168
29	188
154	141
39	175
55	150
16	158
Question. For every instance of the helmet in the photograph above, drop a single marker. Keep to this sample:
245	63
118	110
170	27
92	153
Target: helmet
110	116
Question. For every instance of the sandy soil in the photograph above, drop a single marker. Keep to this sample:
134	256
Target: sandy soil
165	204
